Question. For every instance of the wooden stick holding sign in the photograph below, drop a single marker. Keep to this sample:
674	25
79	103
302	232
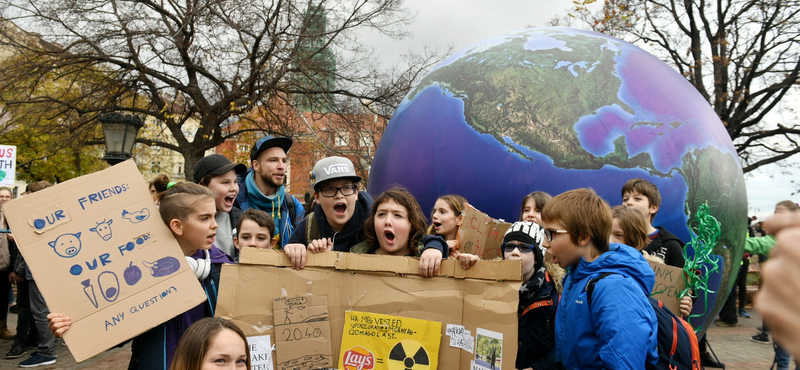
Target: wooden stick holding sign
480	234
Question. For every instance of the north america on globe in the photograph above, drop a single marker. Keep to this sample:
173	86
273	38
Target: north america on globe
554	109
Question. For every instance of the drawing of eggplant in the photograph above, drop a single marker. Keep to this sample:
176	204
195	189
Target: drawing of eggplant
163	267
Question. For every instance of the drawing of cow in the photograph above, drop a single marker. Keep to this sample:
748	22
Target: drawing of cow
103	229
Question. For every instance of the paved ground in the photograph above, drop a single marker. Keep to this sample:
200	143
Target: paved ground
732	345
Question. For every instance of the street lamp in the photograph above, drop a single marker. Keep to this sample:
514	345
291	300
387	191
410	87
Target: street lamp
120	134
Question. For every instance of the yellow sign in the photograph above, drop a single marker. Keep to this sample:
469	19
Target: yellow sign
384	342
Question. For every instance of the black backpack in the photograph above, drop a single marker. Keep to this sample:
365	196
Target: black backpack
677	342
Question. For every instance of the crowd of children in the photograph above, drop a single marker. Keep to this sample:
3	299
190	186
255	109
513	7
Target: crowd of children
568	318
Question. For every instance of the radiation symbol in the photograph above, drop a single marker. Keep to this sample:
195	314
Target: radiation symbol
408	354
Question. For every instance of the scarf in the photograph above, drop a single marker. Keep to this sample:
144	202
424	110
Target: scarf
201	267
260	201
532	288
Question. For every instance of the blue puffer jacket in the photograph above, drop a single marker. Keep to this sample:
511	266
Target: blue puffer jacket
619	330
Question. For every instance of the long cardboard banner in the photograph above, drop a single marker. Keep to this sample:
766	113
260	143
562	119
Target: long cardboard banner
478	305
101	255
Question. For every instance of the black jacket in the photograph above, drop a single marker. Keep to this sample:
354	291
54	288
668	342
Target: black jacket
667	247
351	234
536	331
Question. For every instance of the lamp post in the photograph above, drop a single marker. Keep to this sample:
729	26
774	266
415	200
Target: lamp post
120	134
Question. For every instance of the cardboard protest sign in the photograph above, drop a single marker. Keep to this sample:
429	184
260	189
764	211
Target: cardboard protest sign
384	342
101	255
8	165
302	326
669	283
485	297
480	234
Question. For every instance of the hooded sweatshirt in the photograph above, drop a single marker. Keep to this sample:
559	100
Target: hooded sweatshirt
619	330
154	348
667	247
352	233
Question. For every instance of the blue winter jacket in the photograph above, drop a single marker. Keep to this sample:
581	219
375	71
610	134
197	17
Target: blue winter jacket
619	330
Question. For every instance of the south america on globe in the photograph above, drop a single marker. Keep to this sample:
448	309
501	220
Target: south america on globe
554	109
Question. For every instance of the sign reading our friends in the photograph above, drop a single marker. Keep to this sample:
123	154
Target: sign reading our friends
8	164
101	259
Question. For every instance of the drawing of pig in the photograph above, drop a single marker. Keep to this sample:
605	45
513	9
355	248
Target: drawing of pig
67	245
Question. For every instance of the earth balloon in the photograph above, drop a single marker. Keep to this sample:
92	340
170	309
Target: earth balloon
554	109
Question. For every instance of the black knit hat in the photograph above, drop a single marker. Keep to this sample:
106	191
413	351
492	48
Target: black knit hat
526	232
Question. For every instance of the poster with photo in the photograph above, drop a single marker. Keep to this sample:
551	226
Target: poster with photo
488	350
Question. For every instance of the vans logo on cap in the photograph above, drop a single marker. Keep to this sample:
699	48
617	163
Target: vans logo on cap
336	168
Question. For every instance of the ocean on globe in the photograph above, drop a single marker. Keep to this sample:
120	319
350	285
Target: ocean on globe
554	109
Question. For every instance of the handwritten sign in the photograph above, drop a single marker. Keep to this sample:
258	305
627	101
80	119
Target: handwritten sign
669	283
260	352
101	255
481	235
8	165
460	337
383	342
302	332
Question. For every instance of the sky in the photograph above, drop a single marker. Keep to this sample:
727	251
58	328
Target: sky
461	23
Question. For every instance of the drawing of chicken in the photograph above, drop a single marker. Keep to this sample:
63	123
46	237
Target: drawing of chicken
136	217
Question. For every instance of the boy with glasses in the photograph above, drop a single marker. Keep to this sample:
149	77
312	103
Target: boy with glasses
337	222
616	328
538	297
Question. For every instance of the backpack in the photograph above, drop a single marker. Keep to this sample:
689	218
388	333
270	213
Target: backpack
677	342
292	211
312	228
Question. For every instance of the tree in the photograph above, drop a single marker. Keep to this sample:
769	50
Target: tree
213	62
39	132
743	56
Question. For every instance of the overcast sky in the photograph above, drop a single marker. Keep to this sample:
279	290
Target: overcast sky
461	23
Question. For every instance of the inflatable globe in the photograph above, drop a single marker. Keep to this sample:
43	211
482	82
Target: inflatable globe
554	109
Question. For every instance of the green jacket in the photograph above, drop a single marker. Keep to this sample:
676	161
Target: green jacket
759	245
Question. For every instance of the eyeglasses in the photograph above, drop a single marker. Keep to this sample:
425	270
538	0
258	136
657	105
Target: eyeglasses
548	233
523	248
330	191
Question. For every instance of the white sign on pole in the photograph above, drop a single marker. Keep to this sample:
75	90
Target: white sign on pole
8	164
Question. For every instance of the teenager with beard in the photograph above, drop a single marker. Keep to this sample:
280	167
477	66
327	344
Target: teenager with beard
338	218
262	186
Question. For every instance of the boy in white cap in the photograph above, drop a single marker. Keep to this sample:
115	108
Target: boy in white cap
337	222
